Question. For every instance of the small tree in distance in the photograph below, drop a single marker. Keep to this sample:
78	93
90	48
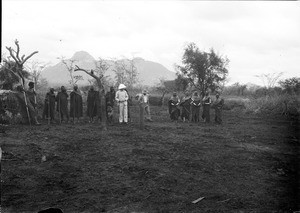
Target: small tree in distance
291	85
125	72
269	80
70	65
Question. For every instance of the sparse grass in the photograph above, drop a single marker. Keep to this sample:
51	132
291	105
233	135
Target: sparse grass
248	164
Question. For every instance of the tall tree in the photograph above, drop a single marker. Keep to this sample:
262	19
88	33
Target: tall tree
204	70
18	69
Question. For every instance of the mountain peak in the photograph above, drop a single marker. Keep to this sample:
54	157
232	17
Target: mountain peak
82	56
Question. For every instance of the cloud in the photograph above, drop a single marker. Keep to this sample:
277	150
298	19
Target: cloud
257	37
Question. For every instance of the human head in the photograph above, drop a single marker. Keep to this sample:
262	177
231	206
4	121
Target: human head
122	87
52	90
62	88
174	94
19	88
31	84
195	93
112	89
144	92
75	87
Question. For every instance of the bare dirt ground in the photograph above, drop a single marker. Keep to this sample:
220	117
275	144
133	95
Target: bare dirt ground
248	164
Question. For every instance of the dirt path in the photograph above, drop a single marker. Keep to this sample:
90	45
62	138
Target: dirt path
248	164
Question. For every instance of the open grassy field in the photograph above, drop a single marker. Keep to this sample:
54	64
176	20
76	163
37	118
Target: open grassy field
250	163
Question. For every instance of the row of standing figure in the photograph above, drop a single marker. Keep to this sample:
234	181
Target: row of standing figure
61	101
190	107
76	104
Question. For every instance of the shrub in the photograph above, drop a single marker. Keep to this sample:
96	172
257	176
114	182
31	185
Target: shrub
278	104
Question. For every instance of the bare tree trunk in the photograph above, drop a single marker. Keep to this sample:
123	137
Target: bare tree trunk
162	98
103	108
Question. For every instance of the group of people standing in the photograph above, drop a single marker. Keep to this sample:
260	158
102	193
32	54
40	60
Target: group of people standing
61	100
188	108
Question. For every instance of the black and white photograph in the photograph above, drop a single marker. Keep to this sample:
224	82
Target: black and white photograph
172	106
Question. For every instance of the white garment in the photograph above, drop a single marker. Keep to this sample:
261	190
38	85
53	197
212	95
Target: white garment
123	108
121	96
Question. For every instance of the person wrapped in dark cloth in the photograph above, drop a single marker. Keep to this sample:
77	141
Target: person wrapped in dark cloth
206	107
62	104
76	106
195	107
186	107
49	105
218	106
31	94
174	110
92	104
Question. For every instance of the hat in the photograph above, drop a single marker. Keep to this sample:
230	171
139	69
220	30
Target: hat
144	91
122	86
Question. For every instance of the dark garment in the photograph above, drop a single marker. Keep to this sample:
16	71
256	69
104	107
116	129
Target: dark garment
49	106
206	109
92	103
206	113
129	104
218	105
110	97
31	96
174	110
195	110
62	105
186	108
23	108
76	109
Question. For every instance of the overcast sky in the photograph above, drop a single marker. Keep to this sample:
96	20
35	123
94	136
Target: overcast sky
257	37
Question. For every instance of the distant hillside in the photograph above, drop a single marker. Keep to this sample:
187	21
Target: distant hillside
149	72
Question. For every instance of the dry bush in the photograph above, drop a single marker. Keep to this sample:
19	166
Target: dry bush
278	104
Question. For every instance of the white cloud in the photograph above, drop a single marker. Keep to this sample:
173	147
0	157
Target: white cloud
257	37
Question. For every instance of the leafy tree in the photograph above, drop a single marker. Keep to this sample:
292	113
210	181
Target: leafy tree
181	82
204	70
291	85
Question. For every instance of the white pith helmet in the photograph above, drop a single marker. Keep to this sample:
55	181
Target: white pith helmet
122	86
